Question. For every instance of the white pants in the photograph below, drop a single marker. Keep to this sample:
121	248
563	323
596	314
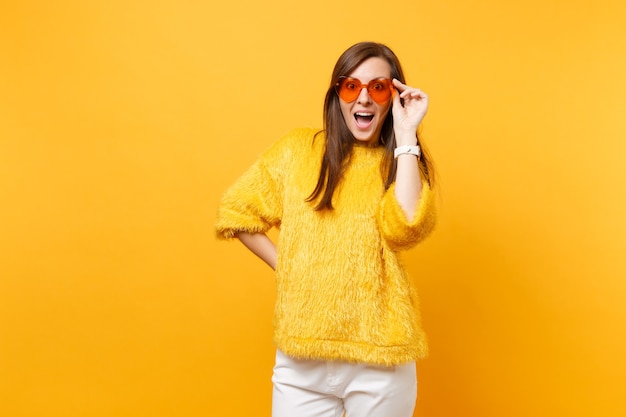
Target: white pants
312	388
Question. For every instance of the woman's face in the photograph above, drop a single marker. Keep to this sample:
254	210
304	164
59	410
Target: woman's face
363	116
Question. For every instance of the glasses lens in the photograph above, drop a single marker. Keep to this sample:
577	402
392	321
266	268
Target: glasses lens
350	88
379	90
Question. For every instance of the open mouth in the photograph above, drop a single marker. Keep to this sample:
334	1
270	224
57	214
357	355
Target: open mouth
363	119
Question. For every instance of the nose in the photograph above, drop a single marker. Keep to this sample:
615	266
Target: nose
364	96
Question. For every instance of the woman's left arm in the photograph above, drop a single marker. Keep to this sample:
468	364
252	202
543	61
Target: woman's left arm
406	119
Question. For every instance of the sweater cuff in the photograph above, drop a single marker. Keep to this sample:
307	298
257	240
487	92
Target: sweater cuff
396	229
232	222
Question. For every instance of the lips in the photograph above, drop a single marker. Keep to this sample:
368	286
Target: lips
363	119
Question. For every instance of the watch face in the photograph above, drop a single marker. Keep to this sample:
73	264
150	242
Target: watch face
412	150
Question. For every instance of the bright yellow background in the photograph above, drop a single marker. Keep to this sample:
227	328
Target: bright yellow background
122	122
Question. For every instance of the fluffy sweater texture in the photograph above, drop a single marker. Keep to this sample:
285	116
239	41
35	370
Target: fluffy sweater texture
342	293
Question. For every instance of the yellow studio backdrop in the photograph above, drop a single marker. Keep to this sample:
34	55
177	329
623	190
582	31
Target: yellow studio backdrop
122	122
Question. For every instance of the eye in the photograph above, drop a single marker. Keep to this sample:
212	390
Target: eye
378	85
350	85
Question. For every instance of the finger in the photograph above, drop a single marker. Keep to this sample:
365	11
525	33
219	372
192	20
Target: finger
397	84
403	88
414	94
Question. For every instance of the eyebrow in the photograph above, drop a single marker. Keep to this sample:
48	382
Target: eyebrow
375	78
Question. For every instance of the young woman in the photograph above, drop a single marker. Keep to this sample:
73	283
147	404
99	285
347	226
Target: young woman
347	200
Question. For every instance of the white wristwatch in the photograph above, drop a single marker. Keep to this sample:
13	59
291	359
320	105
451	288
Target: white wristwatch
413	150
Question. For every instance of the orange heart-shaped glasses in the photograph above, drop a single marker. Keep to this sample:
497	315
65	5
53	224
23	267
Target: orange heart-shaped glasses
349	88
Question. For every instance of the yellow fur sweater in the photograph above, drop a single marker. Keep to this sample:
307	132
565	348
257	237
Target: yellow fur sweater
341	290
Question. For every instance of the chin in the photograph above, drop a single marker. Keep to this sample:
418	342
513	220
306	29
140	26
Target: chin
365	137
365	140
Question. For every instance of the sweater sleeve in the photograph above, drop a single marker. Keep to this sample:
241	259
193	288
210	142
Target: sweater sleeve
395	228
253	203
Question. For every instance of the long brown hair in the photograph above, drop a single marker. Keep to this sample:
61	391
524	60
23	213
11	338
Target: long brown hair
339	139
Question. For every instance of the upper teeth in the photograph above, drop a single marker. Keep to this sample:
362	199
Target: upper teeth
363	114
